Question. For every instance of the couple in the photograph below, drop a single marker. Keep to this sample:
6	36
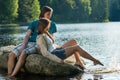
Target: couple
43	30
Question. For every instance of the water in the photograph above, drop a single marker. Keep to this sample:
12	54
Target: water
101	40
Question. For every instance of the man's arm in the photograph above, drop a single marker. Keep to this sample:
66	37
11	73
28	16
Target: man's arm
25	40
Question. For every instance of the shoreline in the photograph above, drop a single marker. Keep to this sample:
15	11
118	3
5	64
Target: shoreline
27	23
14	24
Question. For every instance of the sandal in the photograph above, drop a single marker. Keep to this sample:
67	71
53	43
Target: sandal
80	67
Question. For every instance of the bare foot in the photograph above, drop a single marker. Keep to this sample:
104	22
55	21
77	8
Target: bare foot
12	77
79	66
78	63
8	74
98	62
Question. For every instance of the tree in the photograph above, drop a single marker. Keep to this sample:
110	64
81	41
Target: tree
8	11
28	10
62	10
45	3
82	10
35	9
100	11
70	10
114	10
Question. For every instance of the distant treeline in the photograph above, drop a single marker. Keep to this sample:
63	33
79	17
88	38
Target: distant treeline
65	11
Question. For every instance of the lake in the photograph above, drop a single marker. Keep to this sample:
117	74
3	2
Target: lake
101	40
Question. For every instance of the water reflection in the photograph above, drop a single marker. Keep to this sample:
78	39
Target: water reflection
96	77
23	76
11	35
12	30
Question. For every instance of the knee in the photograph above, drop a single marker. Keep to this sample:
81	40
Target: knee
76	47
12	55
74	42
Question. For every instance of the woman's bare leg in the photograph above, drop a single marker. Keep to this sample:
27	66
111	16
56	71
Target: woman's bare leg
79	61
19	64
76	54
70	50
11	62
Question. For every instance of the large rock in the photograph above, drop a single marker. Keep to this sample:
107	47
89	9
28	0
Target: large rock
38	64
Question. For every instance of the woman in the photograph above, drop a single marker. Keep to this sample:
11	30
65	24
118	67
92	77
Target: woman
28	46
46	45
47	13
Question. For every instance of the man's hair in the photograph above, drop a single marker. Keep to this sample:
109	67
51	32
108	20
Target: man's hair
44	10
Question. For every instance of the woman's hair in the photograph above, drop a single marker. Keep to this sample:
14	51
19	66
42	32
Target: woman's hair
44	10
42	24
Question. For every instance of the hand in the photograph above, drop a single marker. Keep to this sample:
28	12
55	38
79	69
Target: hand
21	49
62	62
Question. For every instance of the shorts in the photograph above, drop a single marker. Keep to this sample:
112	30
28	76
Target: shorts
31	47
59	52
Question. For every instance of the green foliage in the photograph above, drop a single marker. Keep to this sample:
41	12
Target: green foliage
100	10
35	10
64	10
70	10
82	10
106	20
45	3
8	11
28	10
115	10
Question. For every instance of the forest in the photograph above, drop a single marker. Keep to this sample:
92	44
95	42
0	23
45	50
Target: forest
65	11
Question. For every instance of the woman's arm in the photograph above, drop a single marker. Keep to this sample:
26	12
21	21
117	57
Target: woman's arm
43	48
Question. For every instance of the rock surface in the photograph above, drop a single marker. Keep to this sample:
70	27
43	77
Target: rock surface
37	64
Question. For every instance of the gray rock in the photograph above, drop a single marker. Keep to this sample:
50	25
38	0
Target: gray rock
38	64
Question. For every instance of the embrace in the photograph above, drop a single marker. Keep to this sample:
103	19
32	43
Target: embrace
39	38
